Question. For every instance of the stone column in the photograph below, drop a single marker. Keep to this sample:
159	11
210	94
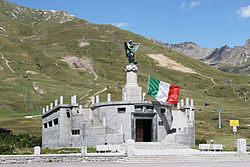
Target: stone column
182	102
83	150
56	103
47	108
187	102
97	99
192	102
93	100
51	106
61	99
109	97
80	108
241	146
74	99
178	105
37	150
130	147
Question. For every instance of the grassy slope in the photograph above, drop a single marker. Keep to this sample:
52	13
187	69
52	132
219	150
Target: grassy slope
18	98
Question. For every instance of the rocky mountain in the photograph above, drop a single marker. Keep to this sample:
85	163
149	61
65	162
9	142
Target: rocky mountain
188	48
228	59
34	17
47	54
236	59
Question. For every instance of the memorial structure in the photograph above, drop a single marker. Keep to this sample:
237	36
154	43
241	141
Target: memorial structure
115	122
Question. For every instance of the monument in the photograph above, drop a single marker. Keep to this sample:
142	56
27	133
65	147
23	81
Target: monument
108	122
131	91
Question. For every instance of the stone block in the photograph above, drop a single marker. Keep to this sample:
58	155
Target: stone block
130	147
37	150
241	146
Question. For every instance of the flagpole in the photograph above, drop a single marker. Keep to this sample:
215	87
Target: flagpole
148	84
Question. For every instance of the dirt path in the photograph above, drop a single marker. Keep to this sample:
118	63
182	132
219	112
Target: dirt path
7	63
94	73
171	64
99	92
163	61
88	102
212	79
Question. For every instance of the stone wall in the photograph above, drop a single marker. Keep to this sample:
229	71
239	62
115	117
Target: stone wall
24	159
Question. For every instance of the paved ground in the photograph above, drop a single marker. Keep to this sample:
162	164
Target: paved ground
113	164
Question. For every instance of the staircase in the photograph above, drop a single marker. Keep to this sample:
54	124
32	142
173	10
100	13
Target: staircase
167	147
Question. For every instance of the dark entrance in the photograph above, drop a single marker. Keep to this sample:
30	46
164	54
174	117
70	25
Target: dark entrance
143	130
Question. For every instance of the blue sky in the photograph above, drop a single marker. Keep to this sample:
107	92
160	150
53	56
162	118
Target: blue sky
209	23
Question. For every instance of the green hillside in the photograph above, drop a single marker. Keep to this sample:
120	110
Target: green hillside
32	73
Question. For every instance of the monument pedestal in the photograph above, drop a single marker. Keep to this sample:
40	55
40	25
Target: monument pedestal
131	91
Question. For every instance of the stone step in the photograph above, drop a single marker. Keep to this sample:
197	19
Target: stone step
158	145
164	152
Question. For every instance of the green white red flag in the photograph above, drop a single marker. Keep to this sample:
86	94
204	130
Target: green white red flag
162	91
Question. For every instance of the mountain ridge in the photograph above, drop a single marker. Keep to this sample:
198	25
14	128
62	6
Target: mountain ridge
230	59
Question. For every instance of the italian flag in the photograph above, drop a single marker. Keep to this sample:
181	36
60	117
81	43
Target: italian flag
162	91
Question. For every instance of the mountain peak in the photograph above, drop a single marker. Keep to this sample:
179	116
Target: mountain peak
248	43
188	48
33	16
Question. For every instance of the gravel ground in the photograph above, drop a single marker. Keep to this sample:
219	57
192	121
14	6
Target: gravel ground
117	164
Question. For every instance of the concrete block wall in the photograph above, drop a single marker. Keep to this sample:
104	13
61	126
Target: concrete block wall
93	138
65	127
180	120
184	122
50	135
186	138
114	120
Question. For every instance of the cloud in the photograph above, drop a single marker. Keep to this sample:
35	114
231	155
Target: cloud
120	25
244	12
194	4
190	6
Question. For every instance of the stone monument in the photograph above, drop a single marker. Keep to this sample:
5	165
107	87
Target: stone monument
131	91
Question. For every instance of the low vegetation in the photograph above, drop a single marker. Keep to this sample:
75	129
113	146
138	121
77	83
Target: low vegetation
17	143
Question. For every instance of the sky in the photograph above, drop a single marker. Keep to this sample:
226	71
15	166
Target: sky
209	23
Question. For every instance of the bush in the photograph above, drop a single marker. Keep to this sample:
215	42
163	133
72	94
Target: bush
9	142
6	149
200	141
91	149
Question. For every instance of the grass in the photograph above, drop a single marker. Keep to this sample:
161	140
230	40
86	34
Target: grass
60	151
18	97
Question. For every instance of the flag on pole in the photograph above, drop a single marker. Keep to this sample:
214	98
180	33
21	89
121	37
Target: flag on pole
163	91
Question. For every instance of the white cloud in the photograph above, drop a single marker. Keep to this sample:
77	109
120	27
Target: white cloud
244	12
194	4
190	6
120	25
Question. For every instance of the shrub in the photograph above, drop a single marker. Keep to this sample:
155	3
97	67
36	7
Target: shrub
9	141
6	149
200	141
